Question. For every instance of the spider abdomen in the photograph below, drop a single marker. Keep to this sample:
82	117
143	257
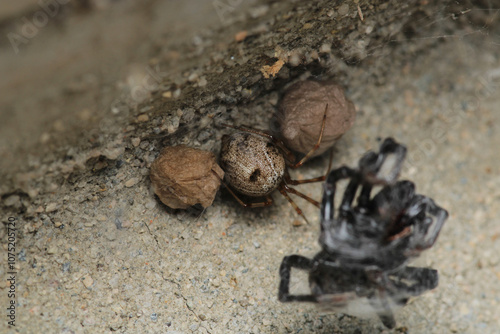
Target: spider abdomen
253	165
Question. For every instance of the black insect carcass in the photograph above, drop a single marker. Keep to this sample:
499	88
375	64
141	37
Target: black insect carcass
366	245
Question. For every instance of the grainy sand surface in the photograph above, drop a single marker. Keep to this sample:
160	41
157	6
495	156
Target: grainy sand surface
101	254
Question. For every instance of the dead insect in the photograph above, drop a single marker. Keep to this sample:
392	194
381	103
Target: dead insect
365	247
255	164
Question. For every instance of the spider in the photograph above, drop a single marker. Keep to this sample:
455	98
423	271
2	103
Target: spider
255	164
365	248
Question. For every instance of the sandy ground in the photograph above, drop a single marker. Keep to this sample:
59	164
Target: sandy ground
102	254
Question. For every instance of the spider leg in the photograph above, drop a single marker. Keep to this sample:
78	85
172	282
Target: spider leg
267	202
301	195
364	196
316	146
414	281
426	230
290	181
349	194
383	167
390	205
283	191
328	202
381	305
289	262
385	314
293	182
246	128
330	161
375	168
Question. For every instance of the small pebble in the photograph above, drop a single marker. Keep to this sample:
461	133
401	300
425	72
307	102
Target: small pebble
118	223
198	235
173	125
131	182
193	77
88	321
22	255
66	267
12	200
307	25
202	82
51	207
143	118
325	48
240	36
343	9
126	224
88	281
113	153
204	135
135	141
150	204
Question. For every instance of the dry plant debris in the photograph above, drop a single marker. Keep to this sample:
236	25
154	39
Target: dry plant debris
272	70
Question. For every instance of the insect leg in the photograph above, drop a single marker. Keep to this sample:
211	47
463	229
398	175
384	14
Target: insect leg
383	167
413	281
289	262
426	230
381	305
328	202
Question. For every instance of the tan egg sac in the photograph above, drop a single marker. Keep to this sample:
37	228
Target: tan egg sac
301	111
183	176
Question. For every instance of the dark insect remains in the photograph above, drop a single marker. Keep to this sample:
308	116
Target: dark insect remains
366	246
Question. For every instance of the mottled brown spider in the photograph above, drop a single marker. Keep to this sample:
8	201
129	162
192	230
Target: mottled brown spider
256	163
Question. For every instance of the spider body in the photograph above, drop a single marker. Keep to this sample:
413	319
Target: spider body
365	247
254	166
256	163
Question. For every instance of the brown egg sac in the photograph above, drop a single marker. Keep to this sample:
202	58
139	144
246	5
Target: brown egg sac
301	111
182	176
